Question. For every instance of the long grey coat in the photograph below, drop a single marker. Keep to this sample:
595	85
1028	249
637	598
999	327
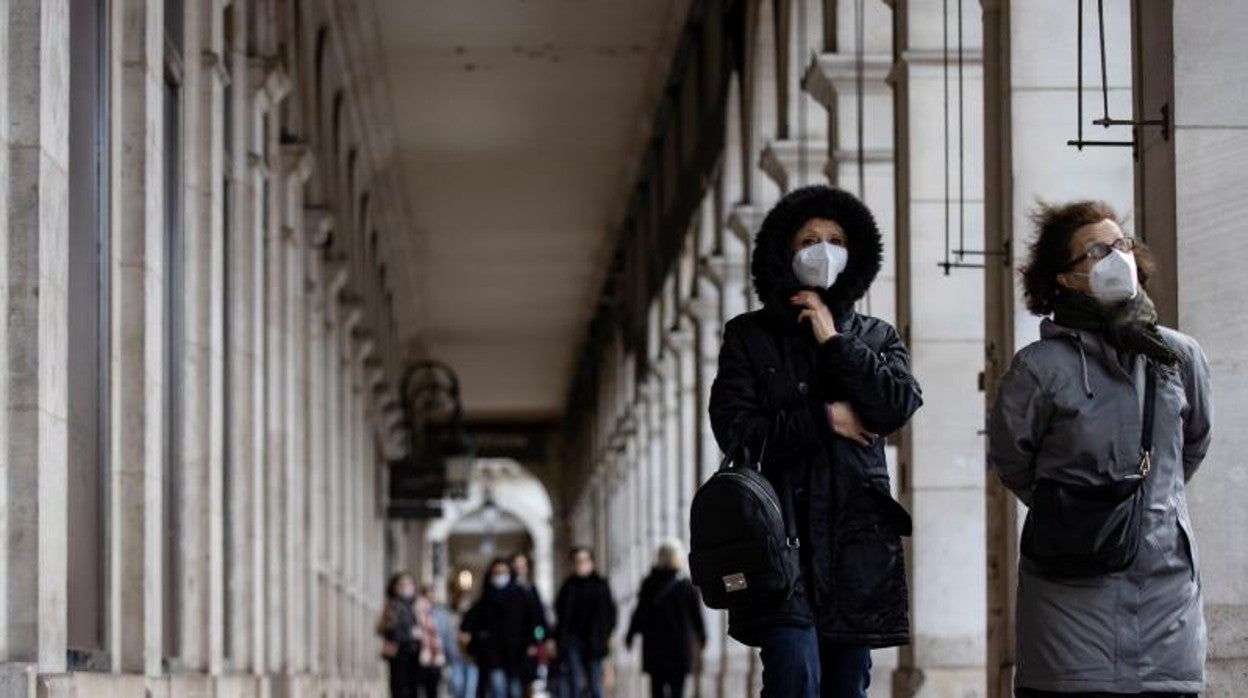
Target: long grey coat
1069	410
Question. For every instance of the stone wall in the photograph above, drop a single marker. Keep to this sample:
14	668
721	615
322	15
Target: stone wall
247	353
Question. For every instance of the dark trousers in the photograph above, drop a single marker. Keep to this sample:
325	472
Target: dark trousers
577	673
790	658
796	664
667	686
1034	693
429	682
404	674
844	670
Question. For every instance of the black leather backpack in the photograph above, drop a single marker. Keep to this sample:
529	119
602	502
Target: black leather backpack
742	538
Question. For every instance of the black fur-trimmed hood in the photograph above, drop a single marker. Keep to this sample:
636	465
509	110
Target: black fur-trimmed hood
771	264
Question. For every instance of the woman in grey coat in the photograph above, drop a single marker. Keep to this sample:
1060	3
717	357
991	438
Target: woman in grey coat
1070	409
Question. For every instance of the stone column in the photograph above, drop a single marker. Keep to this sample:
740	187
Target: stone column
192	374
832	79
1210	143
137	311
242	383
684	424
296	167
317	226
272	87
796	153
941	316
34	263
212	169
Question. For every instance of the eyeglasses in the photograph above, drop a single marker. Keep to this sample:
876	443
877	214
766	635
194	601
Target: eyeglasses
1100	250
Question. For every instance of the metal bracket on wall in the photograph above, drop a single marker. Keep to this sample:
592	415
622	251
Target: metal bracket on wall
1106	121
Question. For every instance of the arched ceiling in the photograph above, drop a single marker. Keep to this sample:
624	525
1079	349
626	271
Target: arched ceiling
519	127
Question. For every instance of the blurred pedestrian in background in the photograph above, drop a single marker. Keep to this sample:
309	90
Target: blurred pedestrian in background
531	669
668	618
586	616
497	630
400	639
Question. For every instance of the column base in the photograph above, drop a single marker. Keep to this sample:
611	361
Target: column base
22	681
912	682
18	680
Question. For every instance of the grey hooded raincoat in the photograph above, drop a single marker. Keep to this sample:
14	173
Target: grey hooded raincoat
1069	409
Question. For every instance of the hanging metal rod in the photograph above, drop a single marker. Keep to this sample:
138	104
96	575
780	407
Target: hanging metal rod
1106	121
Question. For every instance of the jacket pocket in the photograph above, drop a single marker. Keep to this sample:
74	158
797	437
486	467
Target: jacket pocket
1188	543
868	566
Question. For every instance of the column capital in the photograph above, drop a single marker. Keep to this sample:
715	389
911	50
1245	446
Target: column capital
722	270
680	339
213	62
269	80
318	224
744	219
830	74
650	388
782	160
297	161
701	309
376	374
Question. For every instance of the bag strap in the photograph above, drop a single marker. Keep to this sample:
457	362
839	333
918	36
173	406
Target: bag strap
791	538
786	493
667	589
787	511
1150	408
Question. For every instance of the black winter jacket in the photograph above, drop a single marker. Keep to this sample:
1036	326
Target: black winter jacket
668	618
501	624
586	614
774	382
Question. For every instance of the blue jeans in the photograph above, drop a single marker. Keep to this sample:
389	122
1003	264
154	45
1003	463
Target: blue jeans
797	665
463	681
845	670
790	662
504	685
578	674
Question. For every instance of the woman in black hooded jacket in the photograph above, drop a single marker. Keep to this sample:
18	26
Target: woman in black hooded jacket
822	385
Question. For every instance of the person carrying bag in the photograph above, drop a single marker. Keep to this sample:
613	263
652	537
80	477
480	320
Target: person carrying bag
1097	427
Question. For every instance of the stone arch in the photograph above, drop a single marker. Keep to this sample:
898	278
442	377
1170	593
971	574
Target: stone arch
516	492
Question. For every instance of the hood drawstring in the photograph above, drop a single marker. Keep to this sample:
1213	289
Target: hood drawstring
1083	363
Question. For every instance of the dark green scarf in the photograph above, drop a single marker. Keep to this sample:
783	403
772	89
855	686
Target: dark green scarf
1129	326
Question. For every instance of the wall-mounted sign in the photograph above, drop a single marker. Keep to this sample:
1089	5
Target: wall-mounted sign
527	442
416	488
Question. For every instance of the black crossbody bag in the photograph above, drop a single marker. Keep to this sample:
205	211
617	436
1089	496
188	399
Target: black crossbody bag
1075	531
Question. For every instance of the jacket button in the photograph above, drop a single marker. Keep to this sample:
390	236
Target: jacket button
802	387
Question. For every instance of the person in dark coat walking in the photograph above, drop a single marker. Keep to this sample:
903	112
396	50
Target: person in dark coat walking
400	637
668	618
821	385
496	633
521	568
586	615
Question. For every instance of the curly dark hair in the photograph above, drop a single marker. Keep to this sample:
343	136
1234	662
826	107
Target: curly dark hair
1049	252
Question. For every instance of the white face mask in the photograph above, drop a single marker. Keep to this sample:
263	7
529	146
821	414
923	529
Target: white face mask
1113	279
818	265
501	580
